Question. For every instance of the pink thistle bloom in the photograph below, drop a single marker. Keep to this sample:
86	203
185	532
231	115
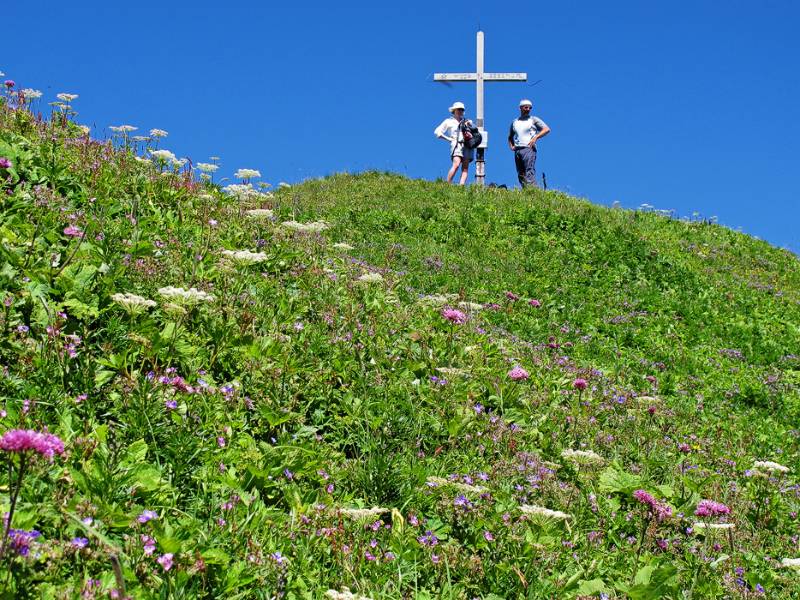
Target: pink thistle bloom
512	296
165	560
27	440
9	83
518	374
710	508
580	384
73	231
658	509
454	316
534	303
5	163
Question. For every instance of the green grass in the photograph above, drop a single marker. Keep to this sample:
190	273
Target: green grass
248	423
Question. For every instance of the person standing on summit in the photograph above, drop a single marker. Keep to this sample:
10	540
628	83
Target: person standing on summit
525	131
451	130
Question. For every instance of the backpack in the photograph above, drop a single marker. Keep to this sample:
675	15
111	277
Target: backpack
476	138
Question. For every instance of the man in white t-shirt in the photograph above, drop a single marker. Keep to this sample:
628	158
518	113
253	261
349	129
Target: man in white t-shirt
525	131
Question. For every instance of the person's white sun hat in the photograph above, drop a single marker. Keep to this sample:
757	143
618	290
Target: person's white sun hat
525	102
457	105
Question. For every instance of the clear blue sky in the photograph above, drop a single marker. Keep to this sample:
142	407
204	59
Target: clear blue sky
685	105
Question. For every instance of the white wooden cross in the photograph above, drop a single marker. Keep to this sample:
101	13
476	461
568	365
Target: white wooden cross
479	77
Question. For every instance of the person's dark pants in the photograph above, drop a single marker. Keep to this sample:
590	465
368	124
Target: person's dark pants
525	158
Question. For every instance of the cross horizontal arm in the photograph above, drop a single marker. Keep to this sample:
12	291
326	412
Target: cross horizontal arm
455	76
474	76
505	76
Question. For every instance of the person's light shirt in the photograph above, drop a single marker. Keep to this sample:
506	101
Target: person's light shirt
524	129
449	130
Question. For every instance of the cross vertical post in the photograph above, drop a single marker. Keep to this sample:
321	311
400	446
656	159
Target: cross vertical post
480	77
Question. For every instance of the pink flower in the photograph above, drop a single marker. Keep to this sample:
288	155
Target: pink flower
658	509
534	303
580	384
512	296
5	163
454	316
9	83
518	374
710	508
149	544
73	231
26	440
165	560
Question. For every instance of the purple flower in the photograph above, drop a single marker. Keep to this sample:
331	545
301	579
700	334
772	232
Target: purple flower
146	516
26	440
658	509
5	163
79	542
171	404
21	540
72	231
221	442
454	316
710	508
534	303
512	296
148	544
487	535
580	384
165	560
278	558
429	539
9	83
518	374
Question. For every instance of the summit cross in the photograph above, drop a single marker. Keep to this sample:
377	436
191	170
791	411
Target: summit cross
480	77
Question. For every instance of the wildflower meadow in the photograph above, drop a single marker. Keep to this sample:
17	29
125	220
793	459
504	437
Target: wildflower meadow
368	387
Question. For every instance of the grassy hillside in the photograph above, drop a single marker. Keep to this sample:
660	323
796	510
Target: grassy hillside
400	387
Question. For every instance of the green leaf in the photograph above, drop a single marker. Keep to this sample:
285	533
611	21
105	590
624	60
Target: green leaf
591	587
616	480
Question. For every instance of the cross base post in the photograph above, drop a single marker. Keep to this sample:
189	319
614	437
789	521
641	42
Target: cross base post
480	167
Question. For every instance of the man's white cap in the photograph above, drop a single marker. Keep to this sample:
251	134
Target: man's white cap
525	102
457	105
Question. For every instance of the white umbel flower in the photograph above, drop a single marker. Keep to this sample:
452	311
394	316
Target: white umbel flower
437	299
259	213
768	465
459	485
310	227
66	97
359	514
245	256
163	155
343	246
701	525
371	278
241	191
791	563
207	167
31	94
158	133
583	456
345	594
183	296
132	302
470	306
247	173
122	128
541	511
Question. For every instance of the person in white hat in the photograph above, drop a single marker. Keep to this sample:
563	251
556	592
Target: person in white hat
525	131
450	129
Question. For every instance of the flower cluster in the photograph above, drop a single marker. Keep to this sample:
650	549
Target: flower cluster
518	374
454	316
657	509
583	456
310	227
132	302
244	256
710	508
541	511
28	440
247	173
183	296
